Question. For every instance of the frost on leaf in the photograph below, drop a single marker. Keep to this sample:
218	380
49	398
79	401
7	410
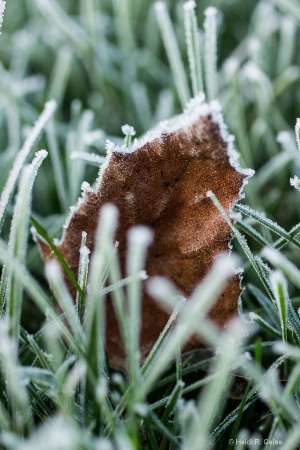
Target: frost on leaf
161	182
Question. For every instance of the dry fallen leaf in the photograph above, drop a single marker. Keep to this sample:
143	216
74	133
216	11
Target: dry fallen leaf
162	182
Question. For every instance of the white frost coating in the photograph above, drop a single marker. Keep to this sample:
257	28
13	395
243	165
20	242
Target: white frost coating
128	130
190	5
210	11
109	215
2	8
295	182
163	290
194	102
159	6
23	155
140	235
283	137
52	270
86	187
110	146
253	316
84	251
142	409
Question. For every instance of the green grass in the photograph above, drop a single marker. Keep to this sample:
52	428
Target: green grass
98	66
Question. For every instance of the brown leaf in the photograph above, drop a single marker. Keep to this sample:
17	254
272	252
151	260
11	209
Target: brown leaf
162	182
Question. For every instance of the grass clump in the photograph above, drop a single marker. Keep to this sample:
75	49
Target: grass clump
95	68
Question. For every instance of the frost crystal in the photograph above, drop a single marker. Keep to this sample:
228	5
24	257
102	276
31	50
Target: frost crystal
295	182
109	146
128	130
190	5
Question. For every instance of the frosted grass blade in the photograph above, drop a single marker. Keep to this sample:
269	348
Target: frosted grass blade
193	46
210	53
23	155
173	53
279	286
10	288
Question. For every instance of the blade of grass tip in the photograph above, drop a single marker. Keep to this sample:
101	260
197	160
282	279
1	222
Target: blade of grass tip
242	241
279	285
43	233
212	396
266	303
172	401
193	46
21	412
191	315
33	136
65	301
2	8
41	356
173	52
210	53
139	239
189	415
10	287
83	270
57	166
53	341
258	319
